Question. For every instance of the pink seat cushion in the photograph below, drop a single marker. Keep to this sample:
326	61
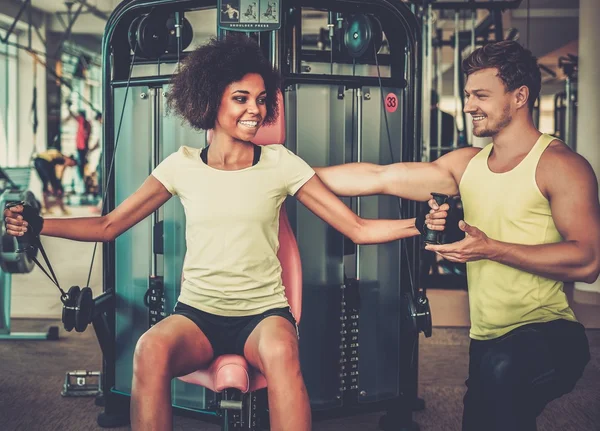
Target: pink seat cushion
228	371
233	371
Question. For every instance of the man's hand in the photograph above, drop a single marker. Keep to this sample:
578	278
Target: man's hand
475	246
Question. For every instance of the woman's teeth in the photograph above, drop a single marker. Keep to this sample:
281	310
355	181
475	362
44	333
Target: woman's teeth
249	123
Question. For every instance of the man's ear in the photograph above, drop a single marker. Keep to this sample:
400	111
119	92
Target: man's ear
522	96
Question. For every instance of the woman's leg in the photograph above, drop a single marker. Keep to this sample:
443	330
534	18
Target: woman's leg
173	347
272	348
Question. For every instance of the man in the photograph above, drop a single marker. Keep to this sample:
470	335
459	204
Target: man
45	164
231	12
82	138
532	222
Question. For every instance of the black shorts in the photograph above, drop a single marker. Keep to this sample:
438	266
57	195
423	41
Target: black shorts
228	335
47	175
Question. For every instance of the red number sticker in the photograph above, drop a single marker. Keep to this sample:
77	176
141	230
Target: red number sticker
391	102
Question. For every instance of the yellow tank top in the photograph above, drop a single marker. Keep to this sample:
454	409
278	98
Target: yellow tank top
509	207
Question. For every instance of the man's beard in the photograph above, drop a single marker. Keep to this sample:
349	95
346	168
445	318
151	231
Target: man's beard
495	129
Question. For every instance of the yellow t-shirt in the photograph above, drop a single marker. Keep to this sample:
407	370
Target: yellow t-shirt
52	155
509	207
232	224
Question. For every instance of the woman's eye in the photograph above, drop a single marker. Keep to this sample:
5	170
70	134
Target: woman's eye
262	101
241	99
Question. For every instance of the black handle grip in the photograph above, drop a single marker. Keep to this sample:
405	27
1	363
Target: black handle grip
433	236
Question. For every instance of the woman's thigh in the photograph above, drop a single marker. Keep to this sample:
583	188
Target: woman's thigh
274	340
178	341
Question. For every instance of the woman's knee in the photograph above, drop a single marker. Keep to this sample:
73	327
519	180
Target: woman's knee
152	354
279	353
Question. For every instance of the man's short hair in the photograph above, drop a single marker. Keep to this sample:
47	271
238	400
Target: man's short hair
516	66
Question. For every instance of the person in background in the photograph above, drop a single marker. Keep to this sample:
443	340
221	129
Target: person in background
45	164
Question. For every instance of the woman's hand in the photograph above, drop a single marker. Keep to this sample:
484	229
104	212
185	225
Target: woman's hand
436	218
14	222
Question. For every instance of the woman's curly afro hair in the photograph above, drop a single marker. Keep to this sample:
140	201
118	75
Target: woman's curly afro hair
196	90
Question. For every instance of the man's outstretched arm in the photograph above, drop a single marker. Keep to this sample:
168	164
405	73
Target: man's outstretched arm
414	181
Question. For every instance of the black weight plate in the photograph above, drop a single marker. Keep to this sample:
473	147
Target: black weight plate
68	315
410	313
152	37
427	325
85	309
132	33
187	35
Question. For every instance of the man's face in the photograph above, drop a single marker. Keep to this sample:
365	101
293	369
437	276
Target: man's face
488	102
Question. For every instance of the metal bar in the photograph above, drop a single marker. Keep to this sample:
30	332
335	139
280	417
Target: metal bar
29	25
6	99
547	13
498	30
95	11
359	119
39	35
456	72
349	81
61	20
17	45
439	89
154	142
472	4
568	111
473	22
67	34
15	21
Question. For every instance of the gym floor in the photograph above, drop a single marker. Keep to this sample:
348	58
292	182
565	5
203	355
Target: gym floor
33	372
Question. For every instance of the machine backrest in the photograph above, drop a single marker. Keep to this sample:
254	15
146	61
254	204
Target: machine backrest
288	254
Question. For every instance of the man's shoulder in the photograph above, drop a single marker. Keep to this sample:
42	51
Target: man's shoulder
459	158
559	154
559	163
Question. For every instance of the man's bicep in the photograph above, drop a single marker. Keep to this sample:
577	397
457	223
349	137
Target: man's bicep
574	201
416	181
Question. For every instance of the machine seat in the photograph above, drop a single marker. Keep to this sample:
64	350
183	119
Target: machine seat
228	372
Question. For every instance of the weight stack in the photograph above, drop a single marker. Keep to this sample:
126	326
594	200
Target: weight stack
155	300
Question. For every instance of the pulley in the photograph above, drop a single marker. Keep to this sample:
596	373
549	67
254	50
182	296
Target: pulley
363	35
152	35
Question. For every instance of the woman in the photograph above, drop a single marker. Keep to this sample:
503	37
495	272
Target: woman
232	299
